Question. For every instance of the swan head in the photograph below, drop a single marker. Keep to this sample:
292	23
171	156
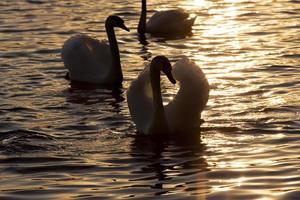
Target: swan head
163	64
116	21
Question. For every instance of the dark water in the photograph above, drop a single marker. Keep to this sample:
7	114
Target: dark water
58	141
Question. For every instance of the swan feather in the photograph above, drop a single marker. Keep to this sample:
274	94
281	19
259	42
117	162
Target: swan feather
176	21
87	59
184	111
140	101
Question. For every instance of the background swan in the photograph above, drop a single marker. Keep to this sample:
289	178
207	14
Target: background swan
165	23
183	113
93	61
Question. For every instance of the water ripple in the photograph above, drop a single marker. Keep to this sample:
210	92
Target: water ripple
60	140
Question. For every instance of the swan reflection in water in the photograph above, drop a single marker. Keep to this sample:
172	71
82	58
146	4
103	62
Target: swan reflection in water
165	161
95	108
88	94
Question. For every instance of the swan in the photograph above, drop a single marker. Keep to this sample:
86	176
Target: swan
183	113
165	23
93	61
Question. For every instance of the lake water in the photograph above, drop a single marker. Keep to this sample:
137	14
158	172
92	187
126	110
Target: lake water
59	141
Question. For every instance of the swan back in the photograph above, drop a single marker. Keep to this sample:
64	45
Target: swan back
87	59
140	101
184	111
170	22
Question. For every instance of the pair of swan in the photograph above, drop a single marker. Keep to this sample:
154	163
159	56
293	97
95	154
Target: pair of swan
93	61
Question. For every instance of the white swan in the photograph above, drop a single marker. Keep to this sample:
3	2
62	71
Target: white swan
93	61
165	23
183	113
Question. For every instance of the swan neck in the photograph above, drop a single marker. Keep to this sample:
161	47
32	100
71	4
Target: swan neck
159	120
156	89
142	22
116	71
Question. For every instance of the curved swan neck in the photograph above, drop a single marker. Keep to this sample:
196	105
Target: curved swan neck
115	54
159	120
156	89
142	23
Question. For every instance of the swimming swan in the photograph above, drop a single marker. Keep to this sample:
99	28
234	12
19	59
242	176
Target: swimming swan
165	23
183	113
93	61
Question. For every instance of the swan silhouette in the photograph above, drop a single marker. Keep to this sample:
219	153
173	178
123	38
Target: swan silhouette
93	61
165	23
183	113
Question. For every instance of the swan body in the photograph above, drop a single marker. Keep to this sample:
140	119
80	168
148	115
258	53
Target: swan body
93	61
180	115
87	59
166	23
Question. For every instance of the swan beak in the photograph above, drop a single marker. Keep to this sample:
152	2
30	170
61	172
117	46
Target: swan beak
124	27
170	77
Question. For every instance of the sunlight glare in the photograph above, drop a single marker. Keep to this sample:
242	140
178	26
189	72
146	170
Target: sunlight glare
192	4
220	189
240	180
199	2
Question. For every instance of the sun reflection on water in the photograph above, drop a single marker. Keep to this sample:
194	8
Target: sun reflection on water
198	2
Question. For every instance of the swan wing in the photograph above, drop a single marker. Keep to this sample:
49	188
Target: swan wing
184	111
87	59
140	101
176	21
167	15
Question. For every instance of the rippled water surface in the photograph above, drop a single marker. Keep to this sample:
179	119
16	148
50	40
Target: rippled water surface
59	141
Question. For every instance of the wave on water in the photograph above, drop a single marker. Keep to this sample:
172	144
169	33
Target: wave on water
22	140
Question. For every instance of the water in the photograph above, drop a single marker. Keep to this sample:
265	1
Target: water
59	141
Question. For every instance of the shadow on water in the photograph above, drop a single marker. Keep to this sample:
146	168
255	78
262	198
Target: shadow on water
157	144
162	38
143	40
144	51
89	94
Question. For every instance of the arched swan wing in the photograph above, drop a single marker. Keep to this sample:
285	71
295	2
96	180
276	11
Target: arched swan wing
184	111
140	101
169	15
170	21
